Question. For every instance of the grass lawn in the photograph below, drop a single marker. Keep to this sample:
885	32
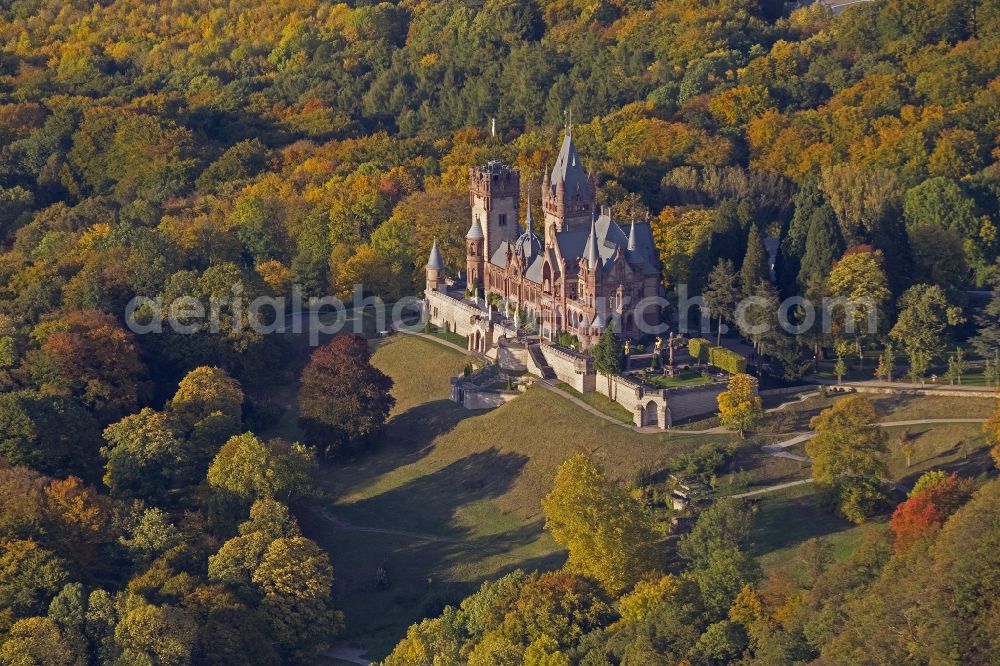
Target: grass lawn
453	497
450	336
954	447
683	378
788	517
796	417
600	402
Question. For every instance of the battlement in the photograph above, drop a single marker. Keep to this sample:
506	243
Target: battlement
495	179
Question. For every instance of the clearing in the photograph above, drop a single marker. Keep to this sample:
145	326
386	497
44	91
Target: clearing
453	497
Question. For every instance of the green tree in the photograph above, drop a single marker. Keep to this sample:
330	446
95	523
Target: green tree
824	245
755	262
940	202
847	456
249	468
53	434
722	294
987	338
925	317
939	257
145	455
609	536
295	578
609	353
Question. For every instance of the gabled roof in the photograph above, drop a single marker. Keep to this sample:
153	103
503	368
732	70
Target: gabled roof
499	257
534	271
575	244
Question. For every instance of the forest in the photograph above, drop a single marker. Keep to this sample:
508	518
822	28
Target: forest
184	148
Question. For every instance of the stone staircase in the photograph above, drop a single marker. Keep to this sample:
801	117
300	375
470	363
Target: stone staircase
538	359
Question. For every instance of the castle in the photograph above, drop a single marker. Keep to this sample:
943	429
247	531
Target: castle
585	271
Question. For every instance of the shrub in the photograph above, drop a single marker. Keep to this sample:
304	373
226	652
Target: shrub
728	360
699	348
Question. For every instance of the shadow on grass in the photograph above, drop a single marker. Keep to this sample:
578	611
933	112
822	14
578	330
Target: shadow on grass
407	438
973	463
428	503
782	522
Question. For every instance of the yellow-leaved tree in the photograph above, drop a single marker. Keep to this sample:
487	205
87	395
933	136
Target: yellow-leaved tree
609	535
740	408
848	454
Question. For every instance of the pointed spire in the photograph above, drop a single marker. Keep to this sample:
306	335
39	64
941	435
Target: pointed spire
475	231
527	221
632	245
590	253
435	262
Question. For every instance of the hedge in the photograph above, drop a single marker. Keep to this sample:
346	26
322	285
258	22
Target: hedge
698	348
725	359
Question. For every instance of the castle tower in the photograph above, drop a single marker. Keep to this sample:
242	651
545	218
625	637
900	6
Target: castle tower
475	254
567	193
435	269
495	196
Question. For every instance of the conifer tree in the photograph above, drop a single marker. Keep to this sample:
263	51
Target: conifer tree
609	353
722	294
824	245
755	265
793	243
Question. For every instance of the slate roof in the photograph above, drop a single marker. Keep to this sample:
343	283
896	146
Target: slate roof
435	261
475	231
568	169
610	236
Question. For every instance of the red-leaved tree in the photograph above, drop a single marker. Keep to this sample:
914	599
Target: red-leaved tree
935	497
343	400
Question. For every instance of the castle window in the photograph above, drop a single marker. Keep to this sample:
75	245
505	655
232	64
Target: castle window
502	219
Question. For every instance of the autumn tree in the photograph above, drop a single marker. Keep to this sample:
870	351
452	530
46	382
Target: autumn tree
89	354
933	499
847	456
992	430
208	406
343	400
860	282
609	536
249	468
740	408
295	579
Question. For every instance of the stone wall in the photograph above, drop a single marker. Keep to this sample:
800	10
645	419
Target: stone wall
571	367
694	400
472	397
648	405
969	392
460	316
